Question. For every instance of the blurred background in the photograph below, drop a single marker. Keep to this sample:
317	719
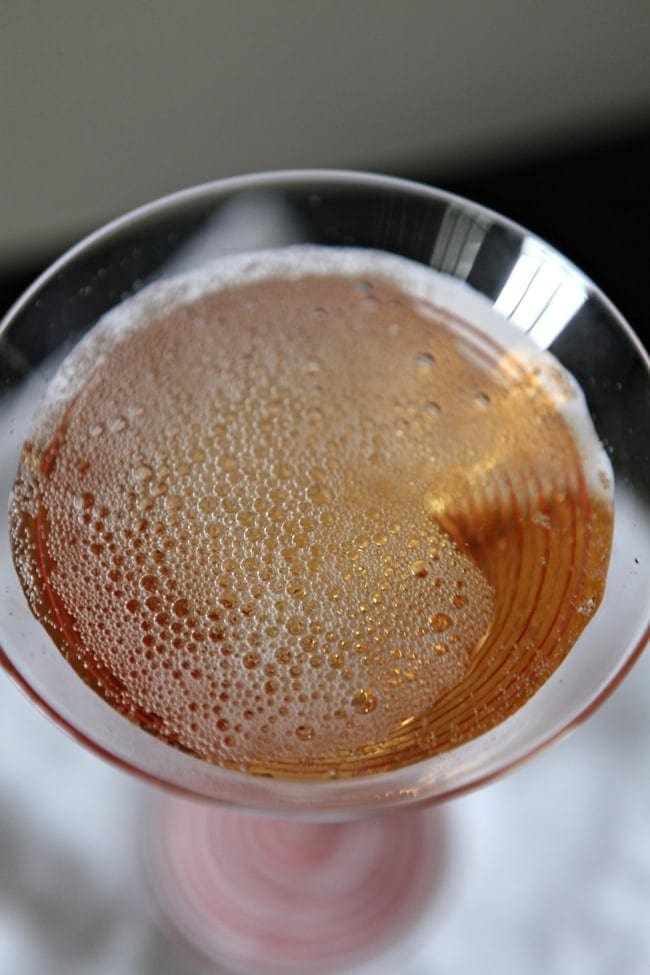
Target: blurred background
541	111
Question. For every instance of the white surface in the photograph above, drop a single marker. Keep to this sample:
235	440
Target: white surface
105	106
551	874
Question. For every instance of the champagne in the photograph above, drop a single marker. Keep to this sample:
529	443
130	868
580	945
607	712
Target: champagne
296	517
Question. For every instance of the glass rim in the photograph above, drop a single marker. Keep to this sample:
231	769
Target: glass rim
316	798
296	797
279	176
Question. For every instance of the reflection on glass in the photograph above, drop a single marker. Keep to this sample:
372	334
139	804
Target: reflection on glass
458	242
540	296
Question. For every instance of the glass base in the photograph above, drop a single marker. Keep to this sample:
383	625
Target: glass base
267	896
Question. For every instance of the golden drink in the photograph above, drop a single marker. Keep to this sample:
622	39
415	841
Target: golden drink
294	517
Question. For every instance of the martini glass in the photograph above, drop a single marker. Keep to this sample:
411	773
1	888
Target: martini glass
323	881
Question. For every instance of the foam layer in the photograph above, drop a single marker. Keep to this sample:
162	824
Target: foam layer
263	506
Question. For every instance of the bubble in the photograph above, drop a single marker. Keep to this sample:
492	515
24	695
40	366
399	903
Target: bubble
319	494
304	732
295	625
420	568
588	607
181	607
246	518
143	473
440	622
425	362
363	701
297	590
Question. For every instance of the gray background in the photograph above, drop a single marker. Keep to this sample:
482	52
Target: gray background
105	106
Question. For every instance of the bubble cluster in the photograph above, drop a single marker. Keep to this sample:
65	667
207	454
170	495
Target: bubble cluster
248	522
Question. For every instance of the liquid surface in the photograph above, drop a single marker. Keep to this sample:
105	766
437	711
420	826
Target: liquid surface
312	524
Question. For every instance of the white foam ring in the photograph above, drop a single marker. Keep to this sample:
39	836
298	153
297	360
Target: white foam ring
439	291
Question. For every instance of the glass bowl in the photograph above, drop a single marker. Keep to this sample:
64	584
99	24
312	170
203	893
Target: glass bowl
526	282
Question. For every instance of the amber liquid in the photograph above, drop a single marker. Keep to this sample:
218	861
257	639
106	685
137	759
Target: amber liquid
310	527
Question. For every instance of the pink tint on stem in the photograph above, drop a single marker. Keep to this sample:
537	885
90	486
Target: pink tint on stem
280	898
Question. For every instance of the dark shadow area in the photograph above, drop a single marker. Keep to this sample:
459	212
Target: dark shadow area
590	201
